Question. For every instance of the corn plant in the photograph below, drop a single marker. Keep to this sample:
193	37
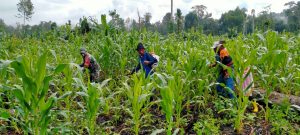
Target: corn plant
138	95
177	85
34	105
167	103
273	57
242	60
91	95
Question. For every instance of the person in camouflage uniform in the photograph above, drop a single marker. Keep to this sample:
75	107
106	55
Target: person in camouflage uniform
90	63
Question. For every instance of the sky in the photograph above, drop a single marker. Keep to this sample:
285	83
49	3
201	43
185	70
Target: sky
61	11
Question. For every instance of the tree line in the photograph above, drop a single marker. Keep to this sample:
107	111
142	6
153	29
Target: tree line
198	19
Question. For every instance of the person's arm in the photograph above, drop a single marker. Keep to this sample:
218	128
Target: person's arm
137	68
213	65
217	57
82	64
150	59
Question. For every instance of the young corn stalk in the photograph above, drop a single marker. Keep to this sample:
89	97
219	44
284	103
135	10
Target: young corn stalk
93	104
138	95
34	105
177	85
273	58
167	103
91	95
242	60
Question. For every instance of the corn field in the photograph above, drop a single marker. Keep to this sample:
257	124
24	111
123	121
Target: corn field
44	91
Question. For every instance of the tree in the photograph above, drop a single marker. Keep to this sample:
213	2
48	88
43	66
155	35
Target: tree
84	25
253	18
69	23
25	7
53	26
232	21
116	21
264	20
147	19
293	14
134	25
127	23
168	23
200	10
2	25
245	24
191	20
203	17
140	20
179	20
210	26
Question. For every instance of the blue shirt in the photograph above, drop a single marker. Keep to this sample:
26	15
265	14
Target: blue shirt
146	68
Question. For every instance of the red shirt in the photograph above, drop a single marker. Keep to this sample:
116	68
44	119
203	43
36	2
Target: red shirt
87	61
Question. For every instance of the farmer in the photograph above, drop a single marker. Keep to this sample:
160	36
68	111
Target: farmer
146	61
222	56
90	62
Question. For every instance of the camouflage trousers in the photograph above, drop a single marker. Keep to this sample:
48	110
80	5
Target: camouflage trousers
94	76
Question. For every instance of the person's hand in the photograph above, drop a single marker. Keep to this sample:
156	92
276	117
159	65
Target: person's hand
212	65
146	62
226	75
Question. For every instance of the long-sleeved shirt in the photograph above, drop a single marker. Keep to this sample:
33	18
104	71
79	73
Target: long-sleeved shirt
90	63
146	68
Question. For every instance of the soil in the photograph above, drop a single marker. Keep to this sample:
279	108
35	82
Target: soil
9	131
116	125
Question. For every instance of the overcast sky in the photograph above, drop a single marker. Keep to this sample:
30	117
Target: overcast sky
61	11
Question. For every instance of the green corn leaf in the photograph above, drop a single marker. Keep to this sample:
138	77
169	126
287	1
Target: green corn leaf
104	82
103	21
60	68
4	114
41	68
45	87
66	94
53	54
19	68
83	94
143	97
19	94
45	108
